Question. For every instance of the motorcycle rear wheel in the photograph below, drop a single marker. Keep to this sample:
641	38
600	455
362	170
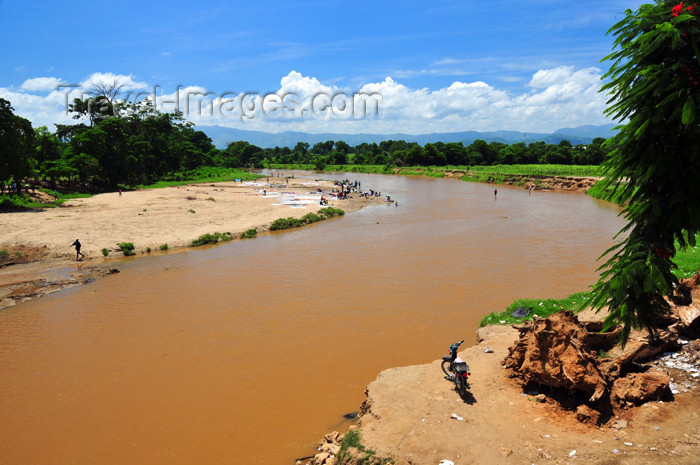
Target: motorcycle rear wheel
461	386
446	368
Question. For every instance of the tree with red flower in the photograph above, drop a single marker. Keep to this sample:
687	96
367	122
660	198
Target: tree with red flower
655	160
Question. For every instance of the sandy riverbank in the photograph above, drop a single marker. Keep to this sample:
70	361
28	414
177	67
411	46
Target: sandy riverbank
40	258
413	415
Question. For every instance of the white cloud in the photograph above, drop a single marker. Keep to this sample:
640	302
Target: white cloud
127	81
41	84
557	97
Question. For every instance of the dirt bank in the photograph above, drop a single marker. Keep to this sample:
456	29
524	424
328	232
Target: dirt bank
38	257
414	415
536	182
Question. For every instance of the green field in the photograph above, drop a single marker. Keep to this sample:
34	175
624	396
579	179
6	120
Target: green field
589	171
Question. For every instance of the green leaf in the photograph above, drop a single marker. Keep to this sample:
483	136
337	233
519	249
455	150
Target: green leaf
688	111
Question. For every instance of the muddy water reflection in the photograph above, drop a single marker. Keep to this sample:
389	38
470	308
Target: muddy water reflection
249	351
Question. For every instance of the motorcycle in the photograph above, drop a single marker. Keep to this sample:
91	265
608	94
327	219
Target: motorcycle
456	370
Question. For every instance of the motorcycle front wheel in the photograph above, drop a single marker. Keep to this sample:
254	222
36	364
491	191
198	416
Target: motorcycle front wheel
446	368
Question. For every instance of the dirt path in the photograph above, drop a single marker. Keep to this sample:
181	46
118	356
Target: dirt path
410	414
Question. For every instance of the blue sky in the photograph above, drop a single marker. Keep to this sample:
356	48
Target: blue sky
435	66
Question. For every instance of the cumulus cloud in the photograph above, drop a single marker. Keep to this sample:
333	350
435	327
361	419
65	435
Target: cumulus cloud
41	84
127	81
553	98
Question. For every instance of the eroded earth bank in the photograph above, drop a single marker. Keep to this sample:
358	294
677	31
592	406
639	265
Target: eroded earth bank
553	390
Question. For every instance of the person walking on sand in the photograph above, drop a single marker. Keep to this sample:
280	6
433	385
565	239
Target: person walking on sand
78	253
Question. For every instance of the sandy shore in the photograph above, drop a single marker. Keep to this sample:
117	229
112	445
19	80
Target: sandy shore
413	415
39	241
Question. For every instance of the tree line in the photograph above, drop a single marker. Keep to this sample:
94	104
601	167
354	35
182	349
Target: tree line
112	146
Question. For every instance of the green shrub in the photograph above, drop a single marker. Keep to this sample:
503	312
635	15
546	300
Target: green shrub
105	251
249	234
212	238
285	223
127	248
148	250
164	247
310	218
3	254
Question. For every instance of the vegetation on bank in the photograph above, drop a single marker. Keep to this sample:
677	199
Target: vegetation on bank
353	451
537	307
440	171
249	234
603	191
309	218
686	261
211	238
127	248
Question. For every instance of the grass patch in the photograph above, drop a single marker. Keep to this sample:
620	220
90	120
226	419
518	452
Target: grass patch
212	238
163	247
21	202
687	261
365	456
3	254
127	248
25	202
489	178
105	251
538	307
601	193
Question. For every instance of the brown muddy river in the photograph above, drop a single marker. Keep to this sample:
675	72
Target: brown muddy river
249	352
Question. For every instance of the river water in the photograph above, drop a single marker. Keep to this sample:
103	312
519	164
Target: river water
248	352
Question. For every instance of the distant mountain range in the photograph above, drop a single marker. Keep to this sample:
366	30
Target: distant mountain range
221	136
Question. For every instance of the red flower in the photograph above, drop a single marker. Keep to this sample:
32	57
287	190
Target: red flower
678	9
662	253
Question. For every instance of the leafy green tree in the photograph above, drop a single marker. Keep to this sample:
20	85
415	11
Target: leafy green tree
56	169
47	146
17	144
301	152
93	108
84	165
655	161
